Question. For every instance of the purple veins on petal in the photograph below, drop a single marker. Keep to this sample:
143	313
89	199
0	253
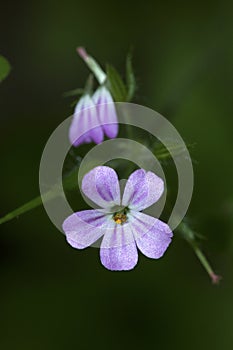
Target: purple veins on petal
92	124
142	190
152	235
101	185
84	228
118	250
106	111
85	126
123	227
75	127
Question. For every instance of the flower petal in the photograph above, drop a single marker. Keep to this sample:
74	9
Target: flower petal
92	124
118	250
152	235
106	111
76	128
142	190
84	227
85	126
101	185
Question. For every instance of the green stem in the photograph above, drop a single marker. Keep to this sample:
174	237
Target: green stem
189	236
69	184
163	153
54	192
92	65
32	204
205	263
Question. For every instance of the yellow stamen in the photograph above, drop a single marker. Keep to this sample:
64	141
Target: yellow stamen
119	218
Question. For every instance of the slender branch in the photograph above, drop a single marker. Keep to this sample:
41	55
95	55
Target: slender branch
32	204
190	237
205	263
54	192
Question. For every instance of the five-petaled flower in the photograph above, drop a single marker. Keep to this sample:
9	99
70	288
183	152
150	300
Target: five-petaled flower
120	221
93	117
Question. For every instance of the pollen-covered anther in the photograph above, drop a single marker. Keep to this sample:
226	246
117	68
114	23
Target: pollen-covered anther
119	218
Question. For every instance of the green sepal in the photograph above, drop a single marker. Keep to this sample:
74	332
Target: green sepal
115	84
75	92
88	89
130	78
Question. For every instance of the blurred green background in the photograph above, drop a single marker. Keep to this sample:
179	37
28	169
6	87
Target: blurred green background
54	297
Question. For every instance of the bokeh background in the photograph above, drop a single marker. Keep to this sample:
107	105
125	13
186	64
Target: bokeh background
54	297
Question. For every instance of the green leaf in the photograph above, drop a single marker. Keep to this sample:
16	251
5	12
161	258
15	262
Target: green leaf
162	153
130	78
116	85
4	68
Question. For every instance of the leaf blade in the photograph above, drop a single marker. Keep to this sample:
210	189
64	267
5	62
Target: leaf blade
5	68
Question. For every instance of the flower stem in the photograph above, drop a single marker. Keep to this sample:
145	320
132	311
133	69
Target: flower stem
69	183
92	65
34	203
215	278
190	236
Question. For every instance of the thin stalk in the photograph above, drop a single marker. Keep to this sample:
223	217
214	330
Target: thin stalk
190	236
54	192
32	204
205	263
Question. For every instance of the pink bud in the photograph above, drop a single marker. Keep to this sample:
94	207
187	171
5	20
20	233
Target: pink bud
82	53
215	278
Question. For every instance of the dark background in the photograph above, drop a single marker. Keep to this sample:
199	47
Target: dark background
54	297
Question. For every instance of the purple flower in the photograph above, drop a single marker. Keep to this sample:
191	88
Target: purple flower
120	222
106	111
85	126
93	117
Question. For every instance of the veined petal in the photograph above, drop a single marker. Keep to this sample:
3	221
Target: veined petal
152	235
142	190
84	227
76	129
101	185
92	127
118	250
85	126
82	103
106	111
